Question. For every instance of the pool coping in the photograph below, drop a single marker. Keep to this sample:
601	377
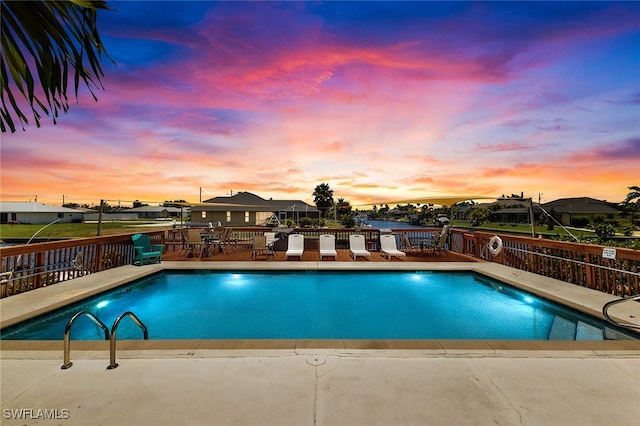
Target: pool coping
20	307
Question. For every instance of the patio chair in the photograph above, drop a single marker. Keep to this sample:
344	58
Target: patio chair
194	242
407	246
184	240
271	238
328	246
260	247
295	247
145	252
228	244
440	243
78	263
357	247
389	247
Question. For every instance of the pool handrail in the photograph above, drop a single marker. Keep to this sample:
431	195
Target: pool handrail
112	339
67	335
607	305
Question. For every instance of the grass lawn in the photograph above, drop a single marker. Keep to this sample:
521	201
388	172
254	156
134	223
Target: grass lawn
78	230
525	229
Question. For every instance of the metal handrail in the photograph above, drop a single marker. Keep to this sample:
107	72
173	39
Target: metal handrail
112	340
67	336
607	305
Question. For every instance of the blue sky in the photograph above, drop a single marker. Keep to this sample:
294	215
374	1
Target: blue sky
382	100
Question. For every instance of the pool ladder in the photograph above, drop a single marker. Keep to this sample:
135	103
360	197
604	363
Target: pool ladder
111	337
607	305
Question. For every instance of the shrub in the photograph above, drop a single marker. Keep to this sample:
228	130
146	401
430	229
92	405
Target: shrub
604	230
580	221
613	222
348	221
305	222
478	216
319	223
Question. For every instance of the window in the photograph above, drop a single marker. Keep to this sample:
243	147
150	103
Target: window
228	216
204	214
246	217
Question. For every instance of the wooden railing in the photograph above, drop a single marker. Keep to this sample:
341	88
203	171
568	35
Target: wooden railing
27	267
581	264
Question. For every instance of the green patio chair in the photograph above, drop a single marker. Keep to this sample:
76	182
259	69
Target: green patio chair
145	251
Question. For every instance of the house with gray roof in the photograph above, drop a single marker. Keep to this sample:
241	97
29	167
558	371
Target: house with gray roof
565	209
36	213
247	209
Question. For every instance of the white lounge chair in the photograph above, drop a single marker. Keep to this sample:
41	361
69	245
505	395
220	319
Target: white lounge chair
295	247
357	246
328	246
389	248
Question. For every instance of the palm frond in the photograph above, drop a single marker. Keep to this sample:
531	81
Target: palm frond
41	41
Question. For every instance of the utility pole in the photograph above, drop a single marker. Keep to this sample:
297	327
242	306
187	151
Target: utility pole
200	194
533	226
100	216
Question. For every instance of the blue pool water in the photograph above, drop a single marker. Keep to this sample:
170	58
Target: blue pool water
320	305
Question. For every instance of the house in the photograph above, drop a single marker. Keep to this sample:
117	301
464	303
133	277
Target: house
566	209
154	212
503	210
247	209
509	210
36	213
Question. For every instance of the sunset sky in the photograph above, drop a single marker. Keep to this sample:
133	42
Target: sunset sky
381	100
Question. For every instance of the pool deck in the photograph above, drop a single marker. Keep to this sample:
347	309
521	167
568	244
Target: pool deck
337	382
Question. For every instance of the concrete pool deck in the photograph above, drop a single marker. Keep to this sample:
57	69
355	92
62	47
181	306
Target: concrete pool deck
321	382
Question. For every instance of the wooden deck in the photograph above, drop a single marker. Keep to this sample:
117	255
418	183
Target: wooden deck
244	254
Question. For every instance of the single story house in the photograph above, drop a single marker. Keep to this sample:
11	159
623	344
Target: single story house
247	209
153	212
36	213
565	209
516	215
504	210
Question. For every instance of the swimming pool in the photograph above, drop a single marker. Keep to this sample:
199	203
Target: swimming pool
321	305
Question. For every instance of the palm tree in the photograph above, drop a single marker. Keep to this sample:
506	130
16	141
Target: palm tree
323	197
343	205
631	204
634	194
48	37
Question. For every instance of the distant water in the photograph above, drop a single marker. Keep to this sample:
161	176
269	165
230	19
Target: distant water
378	224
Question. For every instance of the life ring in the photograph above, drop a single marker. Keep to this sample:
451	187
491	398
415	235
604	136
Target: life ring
495	245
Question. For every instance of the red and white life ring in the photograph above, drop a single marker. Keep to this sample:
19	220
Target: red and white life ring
495	245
